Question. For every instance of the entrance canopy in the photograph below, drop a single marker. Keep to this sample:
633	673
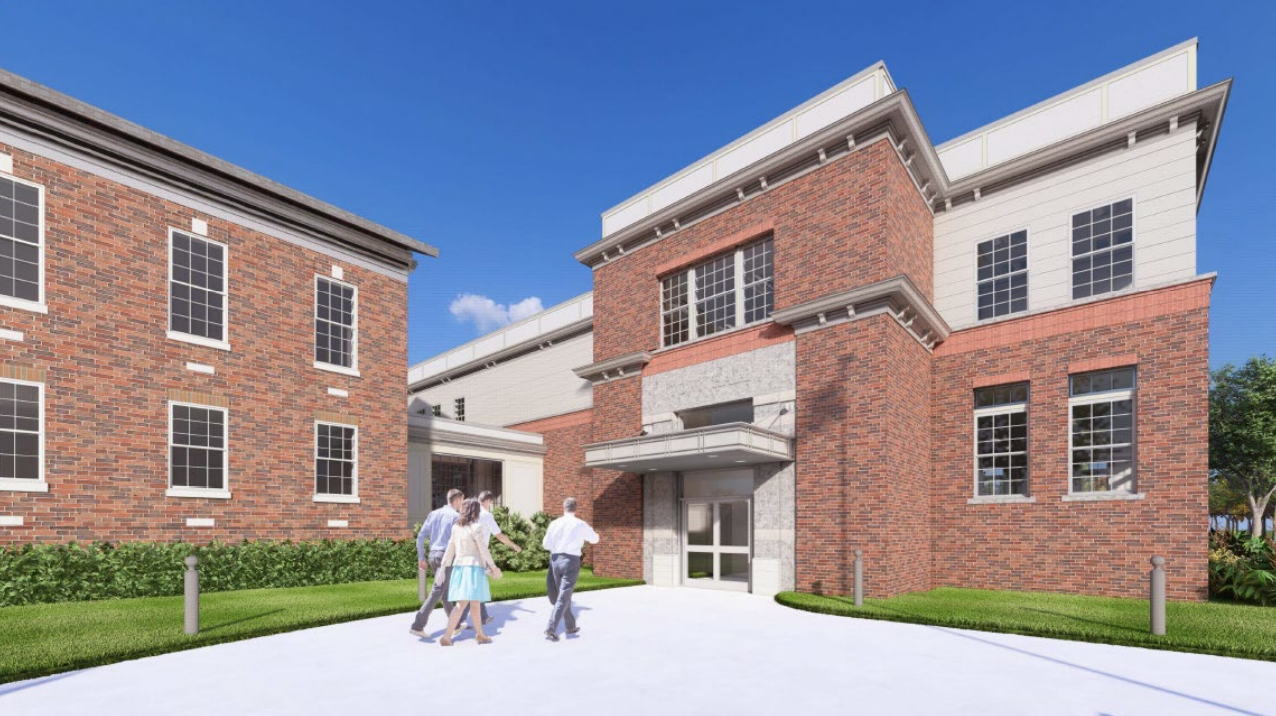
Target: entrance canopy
728	445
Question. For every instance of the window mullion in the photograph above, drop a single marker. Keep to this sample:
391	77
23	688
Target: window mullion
692	329
738	285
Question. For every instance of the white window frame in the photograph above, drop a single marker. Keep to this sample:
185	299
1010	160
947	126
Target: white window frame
223	344
353	370
40	305
22	484
1134	240
1027	270
1108	396
1007	409
737	278
353	497
206	492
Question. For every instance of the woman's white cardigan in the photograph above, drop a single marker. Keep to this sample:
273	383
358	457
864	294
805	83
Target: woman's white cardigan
468	548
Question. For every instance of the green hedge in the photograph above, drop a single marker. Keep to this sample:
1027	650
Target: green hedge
42	574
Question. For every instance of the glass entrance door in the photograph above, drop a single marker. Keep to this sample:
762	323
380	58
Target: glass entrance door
716	543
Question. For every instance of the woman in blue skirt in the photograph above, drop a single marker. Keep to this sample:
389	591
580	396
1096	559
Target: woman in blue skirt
471	564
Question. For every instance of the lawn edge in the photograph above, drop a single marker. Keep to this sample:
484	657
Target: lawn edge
785	599
87	663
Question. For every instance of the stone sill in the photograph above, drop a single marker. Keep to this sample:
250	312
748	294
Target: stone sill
1001	500
1103	496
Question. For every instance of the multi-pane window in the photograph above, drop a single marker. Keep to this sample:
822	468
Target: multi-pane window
197	287
675	312
715	295
335	459
759	293
197	447
731	290
21	211
335	328
436	410
21	436
1003	275
1102	432
458	409
1001	440
1103	249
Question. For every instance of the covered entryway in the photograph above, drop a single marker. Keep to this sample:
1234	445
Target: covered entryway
715	543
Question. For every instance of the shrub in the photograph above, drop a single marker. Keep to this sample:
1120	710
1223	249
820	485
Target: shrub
526	534
37	574
1243	568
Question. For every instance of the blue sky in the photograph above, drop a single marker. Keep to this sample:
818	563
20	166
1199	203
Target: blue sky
500	131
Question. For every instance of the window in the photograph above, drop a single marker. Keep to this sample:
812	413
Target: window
336	324
458	409
336	459
197	448
1001	440
21	234
731	290
21	435
1003	275
469	475
436	410
1102	433
738	412
197	287
1103	249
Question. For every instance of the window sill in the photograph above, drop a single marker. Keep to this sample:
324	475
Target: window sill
719	334
13	484
1102	496
24	305
197	492
1001	500
198	341
339	499
338	369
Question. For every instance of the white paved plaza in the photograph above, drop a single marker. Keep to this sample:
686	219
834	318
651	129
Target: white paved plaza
648	650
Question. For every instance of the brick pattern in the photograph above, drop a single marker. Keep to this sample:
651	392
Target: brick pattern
617	498
1090	547
110	368
862	454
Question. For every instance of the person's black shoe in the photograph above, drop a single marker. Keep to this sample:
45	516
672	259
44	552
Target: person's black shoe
573	631
551	635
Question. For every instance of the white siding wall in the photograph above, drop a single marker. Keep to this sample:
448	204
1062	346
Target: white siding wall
1159	173
535	385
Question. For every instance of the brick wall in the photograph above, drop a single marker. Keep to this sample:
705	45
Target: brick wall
863	463
617	500
565	474
1090	547
110	368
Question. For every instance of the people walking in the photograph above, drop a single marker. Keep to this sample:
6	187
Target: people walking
563	540
488	522
471	563
437	530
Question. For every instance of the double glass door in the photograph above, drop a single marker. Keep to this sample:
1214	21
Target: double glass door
715	542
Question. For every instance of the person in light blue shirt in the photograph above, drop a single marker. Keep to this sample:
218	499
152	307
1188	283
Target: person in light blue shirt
437	531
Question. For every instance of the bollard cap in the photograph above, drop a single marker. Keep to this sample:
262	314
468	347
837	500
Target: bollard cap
191	561
859	553
1158	560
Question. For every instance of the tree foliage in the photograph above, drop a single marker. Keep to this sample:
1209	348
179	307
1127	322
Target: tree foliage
1243	432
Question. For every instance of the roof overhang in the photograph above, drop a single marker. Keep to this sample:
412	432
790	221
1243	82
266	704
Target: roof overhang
459	436
729	445
37	110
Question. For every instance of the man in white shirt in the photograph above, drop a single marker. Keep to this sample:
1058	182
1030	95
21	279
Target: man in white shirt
563	540
488	522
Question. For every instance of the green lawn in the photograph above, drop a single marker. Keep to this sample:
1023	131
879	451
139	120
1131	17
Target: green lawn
46	639
1222	628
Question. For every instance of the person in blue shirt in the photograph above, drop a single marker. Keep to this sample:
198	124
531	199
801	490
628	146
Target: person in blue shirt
437	530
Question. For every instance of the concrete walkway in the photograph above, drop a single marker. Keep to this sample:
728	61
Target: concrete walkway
647	650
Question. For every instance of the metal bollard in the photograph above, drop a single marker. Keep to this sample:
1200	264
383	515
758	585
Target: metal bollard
421	578
1158	596
859	577
192	595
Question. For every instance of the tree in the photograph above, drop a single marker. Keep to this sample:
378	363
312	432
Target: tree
1243	432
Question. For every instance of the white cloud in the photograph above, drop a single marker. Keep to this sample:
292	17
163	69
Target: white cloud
487	315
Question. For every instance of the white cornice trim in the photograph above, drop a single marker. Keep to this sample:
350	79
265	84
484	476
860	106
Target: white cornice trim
624	366
896	296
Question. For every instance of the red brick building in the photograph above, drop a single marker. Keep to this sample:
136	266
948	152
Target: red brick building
188	350
983	363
